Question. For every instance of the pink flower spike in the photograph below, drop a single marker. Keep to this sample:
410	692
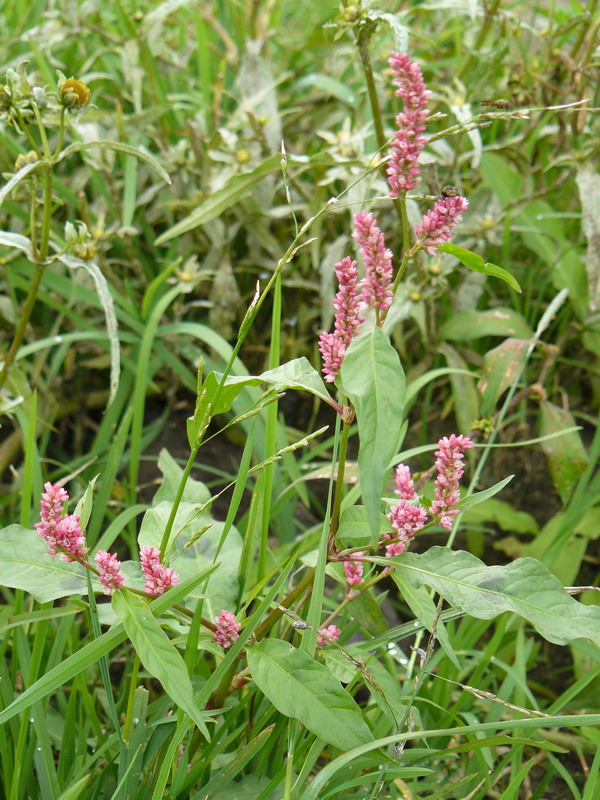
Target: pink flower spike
436	225
403	166
449	465
109	567
406	521
405	487
227	629
333	352
354	571
333	345
158	577
61	531
377	284
326	635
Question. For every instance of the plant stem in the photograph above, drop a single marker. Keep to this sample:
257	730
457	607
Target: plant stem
339	486
131	698
362	41
276	614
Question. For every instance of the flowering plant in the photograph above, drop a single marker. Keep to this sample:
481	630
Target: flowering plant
253	655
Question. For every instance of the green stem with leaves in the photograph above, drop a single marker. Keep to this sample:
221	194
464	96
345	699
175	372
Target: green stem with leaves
36	280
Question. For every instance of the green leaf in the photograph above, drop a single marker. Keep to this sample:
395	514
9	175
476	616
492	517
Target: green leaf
373	378
422	606
464	391
524	587
302	688
18	177
296	374
475	324
479	497
118	147
22	243
91	652
477	264
354	529
502	514
223	585
83	509
566	455
25	564
194	492
501	367
157	654
224	198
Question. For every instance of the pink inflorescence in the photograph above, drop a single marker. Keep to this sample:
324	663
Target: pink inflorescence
347	320
158	577
354	570
228	630
403	166
406	521
326	635
109	568
61	531
405	487
449	465
436	225
377	283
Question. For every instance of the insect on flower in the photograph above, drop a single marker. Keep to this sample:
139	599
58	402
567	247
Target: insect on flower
449	191
500	104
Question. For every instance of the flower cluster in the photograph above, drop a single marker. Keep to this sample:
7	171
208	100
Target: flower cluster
449	465
333	345
109	568
436	225
354	571
406	521
227	630
377	283
158	577
61	531
327	635
405	488
403	166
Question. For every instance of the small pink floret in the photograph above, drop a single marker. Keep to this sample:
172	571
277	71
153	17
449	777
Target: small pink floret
228	630
406	520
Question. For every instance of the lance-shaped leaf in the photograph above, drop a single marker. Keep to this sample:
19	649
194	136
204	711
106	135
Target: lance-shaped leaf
501	367
524	587
118	147
19	176
566	454
477	264
221	200
496	322
295	374
157	654
373	379
302	688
